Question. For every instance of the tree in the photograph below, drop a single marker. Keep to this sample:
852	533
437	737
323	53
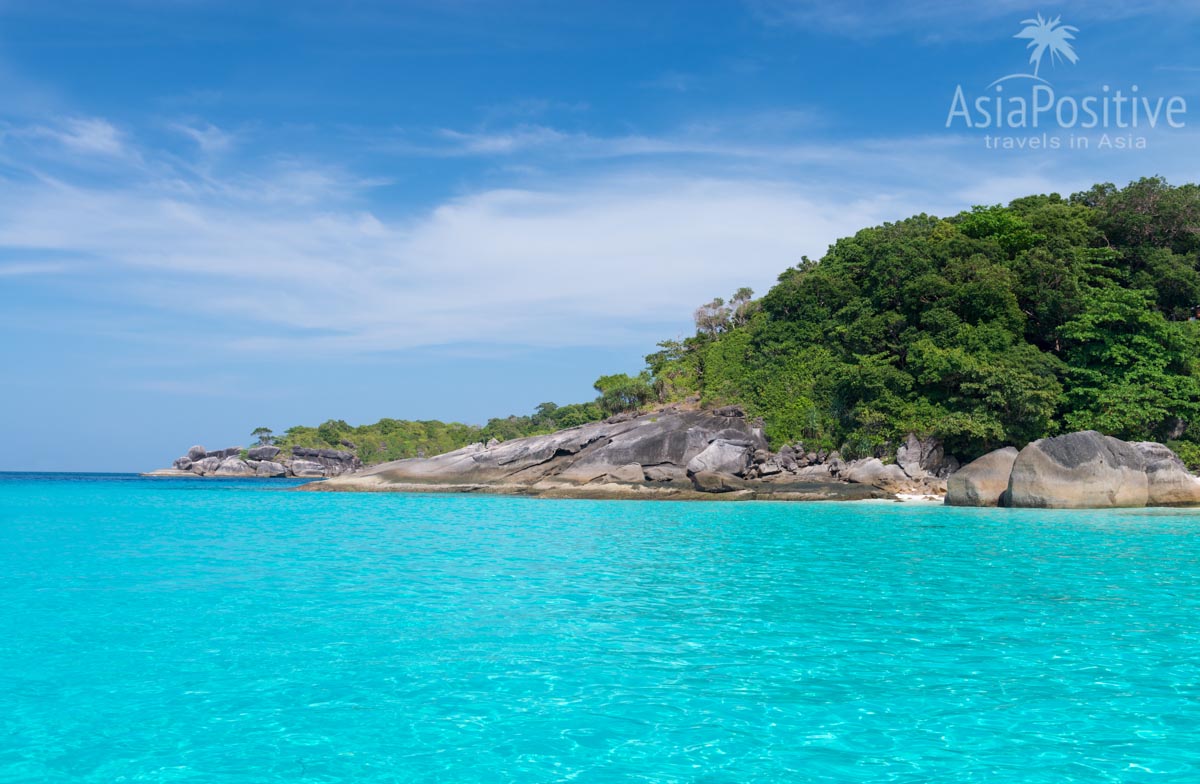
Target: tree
621	392
264	435
743	306
712	317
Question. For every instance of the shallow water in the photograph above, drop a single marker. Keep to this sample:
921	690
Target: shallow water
232	631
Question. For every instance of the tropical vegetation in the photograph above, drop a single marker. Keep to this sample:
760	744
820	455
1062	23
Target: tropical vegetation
999	325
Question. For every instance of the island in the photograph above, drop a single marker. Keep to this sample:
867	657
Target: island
1040	353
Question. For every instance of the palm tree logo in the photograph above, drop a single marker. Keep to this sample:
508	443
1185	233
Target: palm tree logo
1048	35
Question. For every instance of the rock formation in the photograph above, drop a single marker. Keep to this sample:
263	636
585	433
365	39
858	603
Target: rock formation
1076	471
669	453
983	481
677	453
1085	470
263	461
1168	481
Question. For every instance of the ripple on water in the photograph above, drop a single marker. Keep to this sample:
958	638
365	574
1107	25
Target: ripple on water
231	631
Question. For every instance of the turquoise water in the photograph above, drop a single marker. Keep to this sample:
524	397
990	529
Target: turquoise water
208	631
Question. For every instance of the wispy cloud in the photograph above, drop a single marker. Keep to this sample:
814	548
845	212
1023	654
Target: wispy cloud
210	139
30	269
88	135
295	254
749	134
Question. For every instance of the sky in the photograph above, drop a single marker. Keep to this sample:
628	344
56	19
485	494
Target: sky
219	216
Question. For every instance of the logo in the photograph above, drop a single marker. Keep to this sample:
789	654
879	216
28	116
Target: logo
1045	37
1108	117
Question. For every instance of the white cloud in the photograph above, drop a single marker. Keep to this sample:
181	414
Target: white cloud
28	269
606	261
292	255
88	135
209	138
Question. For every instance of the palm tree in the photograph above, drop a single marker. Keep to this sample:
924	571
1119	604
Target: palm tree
1048	35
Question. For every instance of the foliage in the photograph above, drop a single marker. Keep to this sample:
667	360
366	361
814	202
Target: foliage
264	435
999	325
621	392
996	326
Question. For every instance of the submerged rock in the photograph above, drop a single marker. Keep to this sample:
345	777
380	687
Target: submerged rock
983	481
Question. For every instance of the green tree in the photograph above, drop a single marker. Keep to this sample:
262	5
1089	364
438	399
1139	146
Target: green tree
621	392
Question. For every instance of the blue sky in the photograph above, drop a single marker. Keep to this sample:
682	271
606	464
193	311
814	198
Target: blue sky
215	216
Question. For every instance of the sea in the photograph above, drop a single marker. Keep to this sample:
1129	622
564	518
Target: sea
175	630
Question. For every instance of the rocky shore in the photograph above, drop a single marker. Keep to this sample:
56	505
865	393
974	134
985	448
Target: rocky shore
678	453
1085	470
263	461
669	453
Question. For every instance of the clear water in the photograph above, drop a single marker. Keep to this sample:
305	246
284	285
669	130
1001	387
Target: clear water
171	630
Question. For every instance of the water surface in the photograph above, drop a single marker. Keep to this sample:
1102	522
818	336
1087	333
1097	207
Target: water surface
235	631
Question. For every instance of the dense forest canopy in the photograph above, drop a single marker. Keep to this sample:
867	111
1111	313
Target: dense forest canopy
997	326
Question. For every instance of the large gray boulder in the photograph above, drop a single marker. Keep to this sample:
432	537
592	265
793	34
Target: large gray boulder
197	453
627	473
1169	483
1078	471
714	482
206	466
872	471
664	473
265	452
722	457
306	469
268	468
182	464
922	458
233	466
333	462
983	481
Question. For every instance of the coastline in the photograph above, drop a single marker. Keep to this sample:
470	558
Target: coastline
614	491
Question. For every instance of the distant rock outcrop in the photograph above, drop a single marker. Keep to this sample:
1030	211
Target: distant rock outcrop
267	468
264	461
233	466
666	453
264	452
